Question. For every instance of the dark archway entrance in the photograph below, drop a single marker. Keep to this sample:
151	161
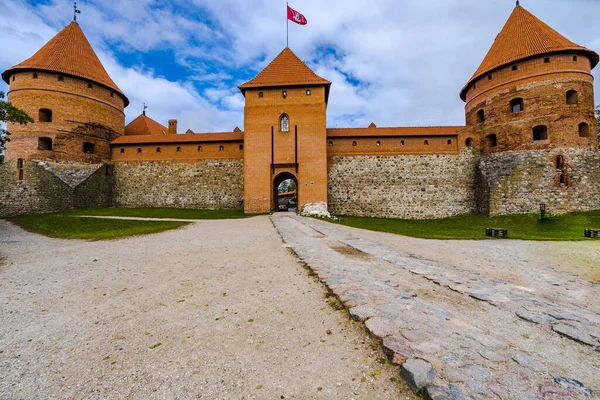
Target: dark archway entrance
285	192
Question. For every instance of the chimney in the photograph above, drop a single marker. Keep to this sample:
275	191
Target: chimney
172	127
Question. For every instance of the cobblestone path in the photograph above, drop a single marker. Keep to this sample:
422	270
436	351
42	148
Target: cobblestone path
457	333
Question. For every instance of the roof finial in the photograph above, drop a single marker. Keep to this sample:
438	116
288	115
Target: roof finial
518	4
145	107
76	11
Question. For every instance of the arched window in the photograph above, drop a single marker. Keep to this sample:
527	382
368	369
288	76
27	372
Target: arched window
402	143
540	132
122	150
44	143
449	141
221	148
584	130
426	142
491	141
158	149
560	162
199	148
88	148
284	123
178	149
516	105
354	143
45	115
378	143
139	150
469	142
480	116
572	97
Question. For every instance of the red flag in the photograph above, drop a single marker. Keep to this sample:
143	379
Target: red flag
296	17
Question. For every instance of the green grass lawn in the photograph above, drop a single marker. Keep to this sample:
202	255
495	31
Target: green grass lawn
527	227
63	225
148	212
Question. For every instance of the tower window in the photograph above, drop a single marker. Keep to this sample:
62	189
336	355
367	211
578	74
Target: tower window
480	116
330	143
241	147
491	141
122	150
88	148
44	143
378	143
284	123
221	148
20	170
13	78
449	141
61	78
540	132
547	60
516	105
199	148
515	67
45	115
178	149
560	162
90	86
402	143
139	150
574	58
35	76
158	149
354	143
584	130
284	94
426	142
572	97
469	142
489	77
112	94
308	92
261	94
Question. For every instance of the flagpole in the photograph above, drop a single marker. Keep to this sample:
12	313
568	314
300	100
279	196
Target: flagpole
287	40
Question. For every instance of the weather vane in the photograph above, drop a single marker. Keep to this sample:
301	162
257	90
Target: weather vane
145	107
518	5
76	11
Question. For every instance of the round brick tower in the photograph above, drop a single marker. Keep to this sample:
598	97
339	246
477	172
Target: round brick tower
76	106
533	91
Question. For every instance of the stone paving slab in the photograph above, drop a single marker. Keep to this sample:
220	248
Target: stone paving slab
482	337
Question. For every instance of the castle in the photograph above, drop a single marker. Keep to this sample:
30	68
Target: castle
530	137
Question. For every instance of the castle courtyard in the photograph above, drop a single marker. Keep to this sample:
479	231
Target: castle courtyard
247	309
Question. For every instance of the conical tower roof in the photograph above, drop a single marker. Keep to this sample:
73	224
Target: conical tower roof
69	53
285	70
525	36
144	125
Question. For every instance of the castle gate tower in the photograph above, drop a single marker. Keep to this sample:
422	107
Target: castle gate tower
285	133
531	106
76	106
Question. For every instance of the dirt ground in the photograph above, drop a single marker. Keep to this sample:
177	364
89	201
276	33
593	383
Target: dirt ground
218	309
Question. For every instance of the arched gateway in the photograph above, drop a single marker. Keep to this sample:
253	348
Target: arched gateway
280	198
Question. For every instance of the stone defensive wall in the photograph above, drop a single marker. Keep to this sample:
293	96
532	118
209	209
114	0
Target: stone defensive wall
404	186
516	182
206	184
30	187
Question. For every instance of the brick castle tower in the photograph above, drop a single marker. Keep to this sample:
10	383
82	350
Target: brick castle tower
530	105
76	106
285	133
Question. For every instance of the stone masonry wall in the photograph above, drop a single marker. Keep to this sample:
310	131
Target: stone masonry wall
409	187
517	181
52	187
207	184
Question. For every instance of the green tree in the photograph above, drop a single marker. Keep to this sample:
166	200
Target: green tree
10	113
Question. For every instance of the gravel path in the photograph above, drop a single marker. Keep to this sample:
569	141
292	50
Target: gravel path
217	309
479	334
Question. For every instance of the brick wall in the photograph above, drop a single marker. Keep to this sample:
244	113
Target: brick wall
80	114
52	187
516	182
404	186
207	184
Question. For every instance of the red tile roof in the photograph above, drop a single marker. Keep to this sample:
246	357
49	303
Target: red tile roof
395	131
180	138
69	53
524	36
285	70
144	125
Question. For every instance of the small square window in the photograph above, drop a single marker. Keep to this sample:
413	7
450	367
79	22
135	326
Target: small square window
122	150
547	60
574	58
308	92
178	149
261	94
241	147
199	148
158	149
61	78
378	143
515	67
402	143
35	76
426	143
139	150
112	94
221	148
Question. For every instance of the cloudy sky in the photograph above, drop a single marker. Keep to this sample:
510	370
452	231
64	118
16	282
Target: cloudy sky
396	63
